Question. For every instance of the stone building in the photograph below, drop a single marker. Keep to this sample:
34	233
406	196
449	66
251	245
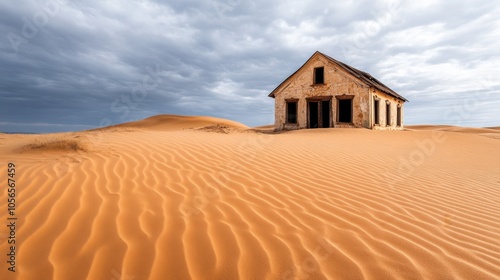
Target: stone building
325	92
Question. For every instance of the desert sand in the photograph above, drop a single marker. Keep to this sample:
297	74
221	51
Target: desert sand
173	197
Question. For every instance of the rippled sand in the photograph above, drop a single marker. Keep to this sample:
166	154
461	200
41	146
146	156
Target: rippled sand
176	197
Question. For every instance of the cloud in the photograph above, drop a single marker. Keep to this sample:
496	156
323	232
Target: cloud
78	64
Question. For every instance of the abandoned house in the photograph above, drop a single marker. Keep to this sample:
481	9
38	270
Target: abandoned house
325	92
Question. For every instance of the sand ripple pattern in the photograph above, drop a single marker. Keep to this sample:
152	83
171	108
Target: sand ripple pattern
325	204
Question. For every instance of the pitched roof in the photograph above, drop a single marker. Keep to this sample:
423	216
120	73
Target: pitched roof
363	76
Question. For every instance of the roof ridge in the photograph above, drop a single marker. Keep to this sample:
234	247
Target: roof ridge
365	77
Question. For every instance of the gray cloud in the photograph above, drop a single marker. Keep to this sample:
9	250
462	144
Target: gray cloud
70	64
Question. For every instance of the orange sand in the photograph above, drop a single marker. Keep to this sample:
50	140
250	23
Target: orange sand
175	197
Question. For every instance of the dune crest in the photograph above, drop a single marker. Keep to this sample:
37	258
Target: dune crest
176	122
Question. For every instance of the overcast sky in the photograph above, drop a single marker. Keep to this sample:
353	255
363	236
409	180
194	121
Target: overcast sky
69	65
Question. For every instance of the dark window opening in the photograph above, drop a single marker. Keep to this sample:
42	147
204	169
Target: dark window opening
345	110
388	114
376	112
399	116
319	75
313	114
291	112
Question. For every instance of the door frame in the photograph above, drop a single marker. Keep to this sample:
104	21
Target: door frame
320	110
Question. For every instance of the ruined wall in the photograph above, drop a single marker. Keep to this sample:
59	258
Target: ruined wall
336	83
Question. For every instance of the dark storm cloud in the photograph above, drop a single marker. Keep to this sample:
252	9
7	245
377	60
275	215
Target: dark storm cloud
70	64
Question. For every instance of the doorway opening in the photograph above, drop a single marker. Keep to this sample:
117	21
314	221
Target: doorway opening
313	115
325	113
319	112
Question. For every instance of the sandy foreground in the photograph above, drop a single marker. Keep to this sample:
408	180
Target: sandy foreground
175	197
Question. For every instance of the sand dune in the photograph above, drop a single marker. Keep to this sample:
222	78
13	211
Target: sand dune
173	198
174	122
492	132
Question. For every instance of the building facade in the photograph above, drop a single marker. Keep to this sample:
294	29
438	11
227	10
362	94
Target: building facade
325	93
